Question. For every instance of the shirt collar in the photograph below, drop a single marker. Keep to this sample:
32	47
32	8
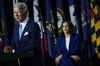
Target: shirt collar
23	23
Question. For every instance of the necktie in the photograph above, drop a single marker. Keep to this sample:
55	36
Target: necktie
20	31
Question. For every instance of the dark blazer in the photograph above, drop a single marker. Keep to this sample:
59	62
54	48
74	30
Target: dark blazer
29	41
74	49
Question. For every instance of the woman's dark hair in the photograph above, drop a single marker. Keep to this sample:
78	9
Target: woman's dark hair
71	26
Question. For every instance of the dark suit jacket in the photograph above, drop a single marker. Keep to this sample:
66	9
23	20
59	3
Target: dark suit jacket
74	49
29	41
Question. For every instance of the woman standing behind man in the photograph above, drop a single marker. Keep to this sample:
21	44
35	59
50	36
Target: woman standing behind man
68	46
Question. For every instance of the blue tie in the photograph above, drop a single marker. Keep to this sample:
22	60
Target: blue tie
20	31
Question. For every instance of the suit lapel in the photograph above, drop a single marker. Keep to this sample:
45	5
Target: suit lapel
17	32
71	43
64	43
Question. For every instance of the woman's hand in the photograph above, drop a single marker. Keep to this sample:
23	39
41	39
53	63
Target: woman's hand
75	57
57	60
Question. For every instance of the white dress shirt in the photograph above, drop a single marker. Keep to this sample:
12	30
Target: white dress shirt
67	42
23	24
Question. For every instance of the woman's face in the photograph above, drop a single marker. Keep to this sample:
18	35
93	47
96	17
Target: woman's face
65	28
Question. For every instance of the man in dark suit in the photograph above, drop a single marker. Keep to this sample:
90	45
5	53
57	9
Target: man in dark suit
26	37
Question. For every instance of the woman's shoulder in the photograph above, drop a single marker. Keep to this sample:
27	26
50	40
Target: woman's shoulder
75	35
60	36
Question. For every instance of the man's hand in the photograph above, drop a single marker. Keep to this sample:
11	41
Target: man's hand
8	49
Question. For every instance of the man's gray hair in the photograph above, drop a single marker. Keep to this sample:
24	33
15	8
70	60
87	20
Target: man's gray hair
23	7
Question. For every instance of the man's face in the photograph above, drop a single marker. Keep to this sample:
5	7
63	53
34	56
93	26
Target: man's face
18	14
